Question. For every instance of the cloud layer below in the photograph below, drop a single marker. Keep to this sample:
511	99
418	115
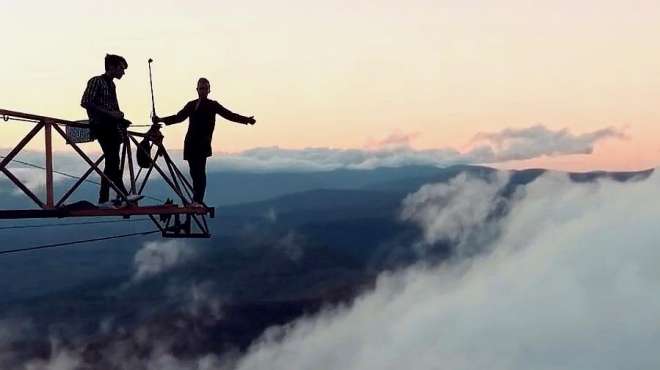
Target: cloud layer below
568	280
570	283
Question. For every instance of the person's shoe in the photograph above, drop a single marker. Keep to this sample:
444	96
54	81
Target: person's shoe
134	197
197	205
107	205
121	204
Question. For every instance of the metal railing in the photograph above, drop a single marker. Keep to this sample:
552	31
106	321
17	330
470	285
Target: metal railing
169	219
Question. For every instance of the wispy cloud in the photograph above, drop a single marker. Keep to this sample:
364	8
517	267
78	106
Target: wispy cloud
62	359
291	245
531	142
394	140
157	257
199	300
33	178
395	151
275	159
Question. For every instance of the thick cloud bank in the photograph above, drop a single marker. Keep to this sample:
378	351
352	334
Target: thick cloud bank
462	213
570	283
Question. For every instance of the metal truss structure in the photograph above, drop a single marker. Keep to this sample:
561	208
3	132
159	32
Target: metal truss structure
173	220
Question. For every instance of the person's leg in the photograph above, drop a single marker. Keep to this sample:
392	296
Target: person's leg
118	177
193	166
112	162
105	142
202	180
198	175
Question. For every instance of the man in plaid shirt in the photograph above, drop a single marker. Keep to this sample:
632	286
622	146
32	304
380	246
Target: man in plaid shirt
107	123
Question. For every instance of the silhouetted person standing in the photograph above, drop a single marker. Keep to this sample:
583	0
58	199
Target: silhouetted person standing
197	145
107	123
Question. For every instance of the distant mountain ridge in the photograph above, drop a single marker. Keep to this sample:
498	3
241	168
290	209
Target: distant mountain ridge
231	188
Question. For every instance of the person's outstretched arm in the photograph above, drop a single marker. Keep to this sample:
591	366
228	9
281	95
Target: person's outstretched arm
177	118
234	117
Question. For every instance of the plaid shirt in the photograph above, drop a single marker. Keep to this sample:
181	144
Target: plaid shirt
101	92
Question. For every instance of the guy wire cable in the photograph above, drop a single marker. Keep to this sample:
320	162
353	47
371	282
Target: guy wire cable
66	244
71	224
69	175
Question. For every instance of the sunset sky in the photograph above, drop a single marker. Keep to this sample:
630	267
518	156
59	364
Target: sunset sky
348	74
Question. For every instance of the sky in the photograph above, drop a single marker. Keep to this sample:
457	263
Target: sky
348	74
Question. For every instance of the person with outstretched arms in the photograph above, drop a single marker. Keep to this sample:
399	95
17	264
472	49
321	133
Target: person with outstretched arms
201	113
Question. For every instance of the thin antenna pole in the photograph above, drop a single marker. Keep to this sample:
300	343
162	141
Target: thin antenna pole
151	85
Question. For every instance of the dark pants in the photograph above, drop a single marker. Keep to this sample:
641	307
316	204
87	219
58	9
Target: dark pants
198	175
110	141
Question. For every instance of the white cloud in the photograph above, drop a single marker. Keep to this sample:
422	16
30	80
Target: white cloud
531	142
395	151
291	245
67	163
200	300
62	359
157	257
571	283
275	159
457	212
392	151
128	354
394	140
13	330
33	178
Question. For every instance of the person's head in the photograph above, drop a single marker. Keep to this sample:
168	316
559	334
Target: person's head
203	88
115	65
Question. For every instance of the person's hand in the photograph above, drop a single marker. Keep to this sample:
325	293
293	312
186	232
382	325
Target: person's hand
117	114
155	129
155	119
251	120
154	133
